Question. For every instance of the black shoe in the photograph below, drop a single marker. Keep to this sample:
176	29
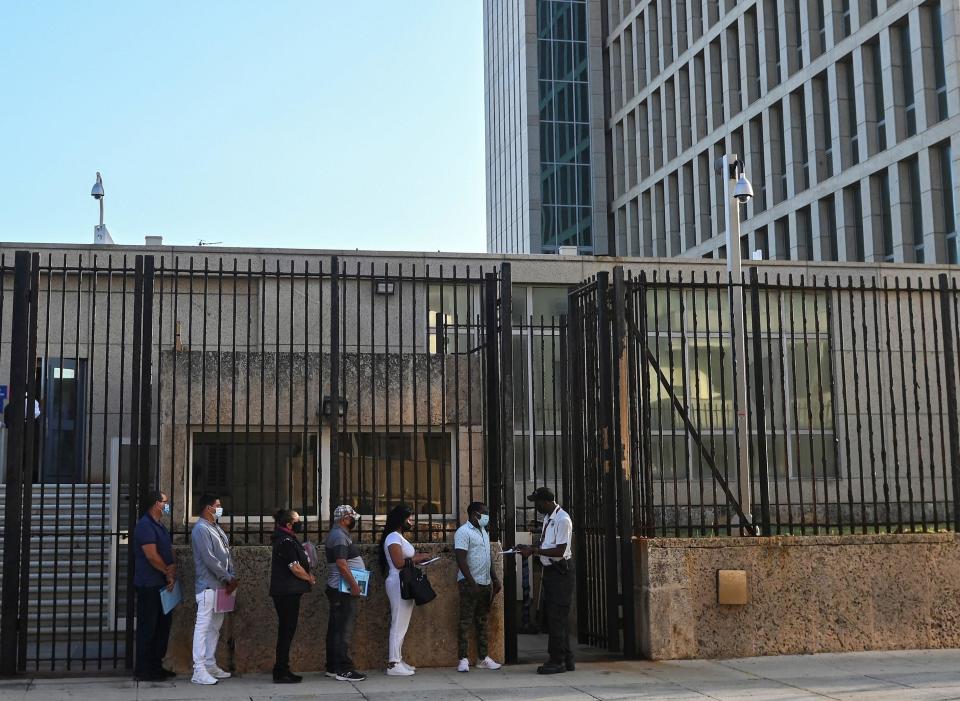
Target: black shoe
568	663
287	678
351	676
166	673
551	668
151	677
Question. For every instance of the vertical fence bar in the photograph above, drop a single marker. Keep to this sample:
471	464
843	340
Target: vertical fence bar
506	465
607	440
953	430
623	462
133	489
645	410
144	480
20	340
334	418
760	421
495	484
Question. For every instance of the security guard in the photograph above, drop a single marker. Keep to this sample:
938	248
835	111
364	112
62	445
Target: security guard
554	552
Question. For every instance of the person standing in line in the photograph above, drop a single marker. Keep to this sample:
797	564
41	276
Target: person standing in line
477	582
342	556
290	579
154	567
555	553
395	550
214	566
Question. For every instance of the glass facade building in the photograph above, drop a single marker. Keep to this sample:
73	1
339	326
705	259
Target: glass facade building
545	134
564	109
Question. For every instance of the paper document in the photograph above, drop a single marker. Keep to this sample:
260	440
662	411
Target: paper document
511	551
170	599
224	602
424	564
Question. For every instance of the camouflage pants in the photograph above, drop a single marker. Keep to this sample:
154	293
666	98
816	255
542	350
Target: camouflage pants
474	610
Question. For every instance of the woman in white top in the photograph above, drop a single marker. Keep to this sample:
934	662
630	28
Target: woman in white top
394	551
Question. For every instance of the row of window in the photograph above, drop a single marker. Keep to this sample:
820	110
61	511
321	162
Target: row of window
885	217
661	31
565	217
812	122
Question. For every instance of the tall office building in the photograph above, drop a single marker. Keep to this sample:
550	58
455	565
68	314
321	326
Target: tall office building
846	114
546	160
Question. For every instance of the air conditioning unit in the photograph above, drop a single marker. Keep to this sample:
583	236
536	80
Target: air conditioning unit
568	250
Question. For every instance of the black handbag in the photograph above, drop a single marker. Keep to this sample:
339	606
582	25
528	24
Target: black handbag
415	585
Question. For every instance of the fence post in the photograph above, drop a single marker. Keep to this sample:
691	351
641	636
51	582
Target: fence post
30	458
507	474
334	418
759	404
146	382
576	417
622	456
607	456
133	469
649	529
9	619
949	366
492	400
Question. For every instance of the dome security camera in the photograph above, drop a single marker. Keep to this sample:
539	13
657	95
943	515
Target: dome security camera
743	190
97	191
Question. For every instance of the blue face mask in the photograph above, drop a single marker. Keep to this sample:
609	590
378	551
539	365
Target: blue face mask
218	512
166	509
484	520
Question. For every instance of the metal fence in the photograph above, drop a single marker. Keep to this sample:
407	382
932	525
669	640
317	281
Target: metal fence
298	385
841	416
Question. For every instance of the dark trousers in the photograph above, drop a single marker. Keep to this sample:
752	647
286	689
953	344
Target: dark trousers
288	613
153	631
557	596
474	611
343	614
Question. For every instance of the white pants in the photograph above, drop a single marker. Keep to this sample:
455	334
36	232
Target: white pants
206	634
400	611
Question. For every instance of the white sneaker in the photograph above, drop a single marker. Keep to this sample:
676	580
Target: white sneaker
408	666
202	676
397	669
218	673
487	663
464	665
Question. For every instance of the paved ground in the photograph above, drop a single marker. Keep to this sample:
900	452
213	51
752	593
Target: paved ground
879	676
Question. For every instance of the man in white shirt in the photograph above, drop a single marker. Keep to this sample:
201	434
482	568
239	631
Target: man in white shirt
555	553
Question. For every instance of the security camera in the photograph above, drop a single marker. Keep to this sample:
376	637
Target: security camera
97	191
743	190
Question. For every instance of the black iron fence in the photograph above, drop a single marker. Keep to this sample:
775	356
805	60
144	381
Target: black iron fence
847	386
302	384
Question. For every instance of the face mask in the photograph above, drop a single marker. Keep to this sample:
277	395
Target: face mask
166	509
407	526
484	520
218	512
298	527
351	523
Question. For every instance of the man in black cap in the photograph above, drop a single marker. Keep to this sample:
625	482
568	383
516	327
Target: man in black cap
554	552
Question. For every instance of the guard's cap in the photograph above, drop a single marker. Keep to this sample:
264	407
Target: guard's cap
541	494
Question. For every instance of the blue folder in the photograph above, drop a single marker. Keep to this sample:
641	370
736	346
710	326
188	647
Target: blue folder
170	599
363	580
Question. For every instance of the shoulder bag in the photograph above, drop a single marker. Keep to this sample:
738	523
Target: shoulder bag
415	585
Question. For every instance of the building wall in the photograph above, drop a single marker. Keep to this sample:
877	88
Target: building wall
845	113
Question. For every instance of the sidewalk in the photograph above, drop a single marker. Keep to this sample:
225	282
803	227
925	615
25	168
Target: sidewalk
879	676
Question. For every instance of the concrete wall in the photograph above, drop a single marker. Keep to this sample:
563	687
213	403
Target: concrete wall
805	595
249	635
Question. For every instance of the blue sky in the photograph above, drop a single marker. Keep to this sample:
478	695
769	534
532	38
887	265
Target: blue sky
323	124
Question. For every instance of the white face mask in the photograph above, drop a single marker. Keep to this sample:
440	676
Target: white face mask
218	512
